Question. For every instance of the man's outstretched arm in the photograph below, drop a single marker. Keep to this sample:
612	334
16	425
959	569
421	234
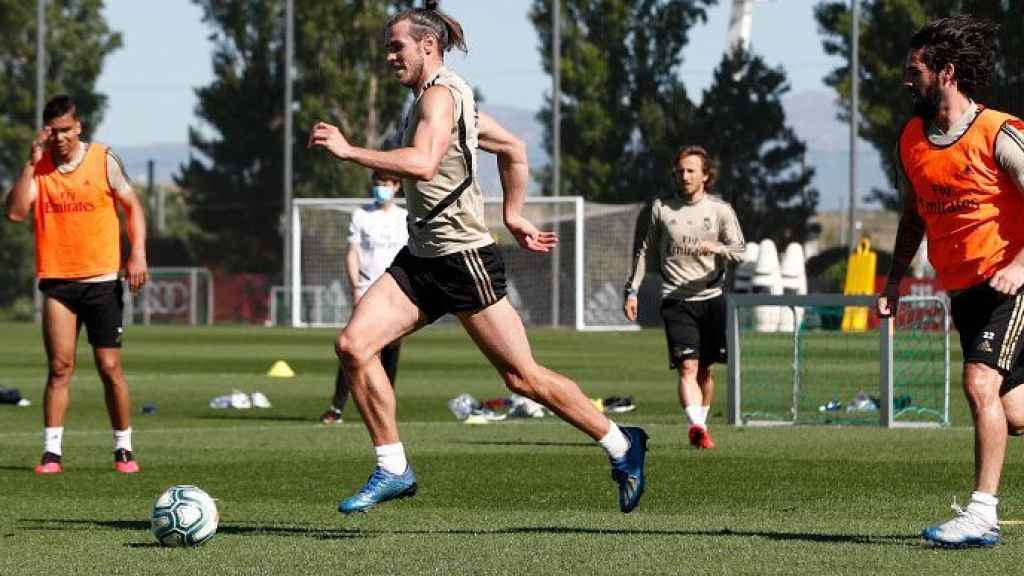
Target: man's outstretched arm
419	160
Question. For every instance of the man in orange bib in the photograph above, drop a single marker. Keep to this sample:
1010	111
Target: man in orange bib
72	189
962	180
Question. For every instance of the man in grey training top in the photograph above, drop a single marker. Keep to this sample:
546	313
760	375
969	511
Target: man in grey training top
451	264
695	235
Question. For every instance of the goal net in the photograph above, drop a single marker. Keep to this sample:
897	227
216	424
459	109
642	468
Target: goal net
895	374
578	285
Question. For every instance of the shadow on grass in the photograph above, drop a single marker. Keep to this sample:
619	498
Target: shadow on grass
879	539
525	443
16	468
253	529
232	529
257	417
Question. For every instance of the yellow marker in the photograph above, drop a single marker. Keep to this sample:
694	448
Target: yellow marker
281	369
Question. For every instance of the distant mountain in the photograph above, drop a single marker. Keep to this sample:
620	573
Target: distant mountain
167	160
813	117
523	123
811	114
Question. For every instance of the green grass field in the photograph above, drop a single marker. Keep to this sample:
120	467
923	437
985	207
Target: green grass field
522	497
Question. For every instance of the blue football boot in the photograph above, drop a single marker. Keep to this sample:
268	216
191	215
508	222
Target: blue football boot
628	471
381	487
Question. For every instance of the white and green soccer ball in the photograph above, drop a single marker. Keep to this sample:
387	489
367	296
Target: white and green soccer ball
184	515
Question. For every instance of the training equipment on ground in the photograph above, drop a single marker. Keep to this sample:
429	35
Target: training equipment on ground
816	374
184	515
578	284
281	369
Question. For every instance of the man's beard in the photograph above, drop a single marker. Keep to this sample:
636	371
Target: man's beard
415	70
926	105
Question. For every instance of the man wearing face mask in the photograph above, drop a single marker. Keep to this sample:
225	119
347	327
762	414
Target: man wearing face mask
961	175
376	234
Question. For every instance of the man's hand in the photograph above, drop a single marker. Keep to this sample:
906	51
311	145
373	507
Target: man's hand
38	147
529	236
330	137
136	272
629	307
1009	279
709	247
889	301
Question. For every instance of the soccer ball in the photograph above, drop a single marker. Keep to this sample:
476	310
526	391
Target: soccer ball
184	516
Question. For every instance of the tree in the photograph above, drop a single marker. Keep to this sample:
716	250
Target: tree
760	159
886	29
78	40
234	189
622	103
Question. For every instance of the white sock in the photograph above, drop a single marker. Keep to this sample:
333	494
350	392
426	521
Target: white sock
123	439
614	442
697	415
53	439
705	410
983	506
391	457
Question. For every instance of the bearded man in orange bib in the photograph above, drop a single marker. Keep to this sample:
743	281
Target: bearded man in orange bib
72	189
962	180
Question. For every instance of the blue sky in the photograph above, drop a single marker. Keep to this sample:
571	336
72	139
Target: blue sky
166	54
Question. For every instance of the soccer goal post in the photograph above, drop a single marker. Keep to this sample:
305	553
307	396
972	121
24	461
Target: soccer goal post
579	285
893	374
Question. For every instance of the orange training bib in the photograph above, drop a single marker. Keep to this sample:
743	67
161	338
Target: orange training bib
971	209
77	231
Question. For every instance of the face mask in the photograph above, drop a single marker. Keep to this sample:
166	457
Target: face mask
382	194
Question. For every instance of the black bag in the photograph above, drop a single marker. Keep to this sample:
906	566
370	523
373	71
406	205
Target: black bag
9	395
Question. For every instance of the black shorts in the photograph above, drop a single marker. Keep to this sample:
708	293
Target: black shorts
98	305
695	329
466	281
991	327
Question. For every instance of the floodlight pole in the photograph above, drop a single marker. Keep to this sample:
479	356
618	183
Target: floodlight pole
286	209
556	151
854	118
40	61
37	296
